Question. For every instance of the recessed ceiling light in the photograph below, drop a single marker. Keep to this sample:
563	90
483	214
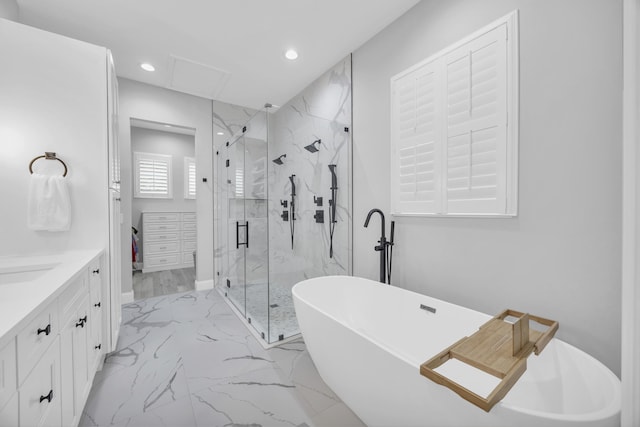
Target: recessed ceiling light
220	133
291	54
147	67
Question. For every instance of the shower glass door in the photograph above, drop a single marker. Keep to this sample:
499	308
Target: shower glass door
237	236
247	225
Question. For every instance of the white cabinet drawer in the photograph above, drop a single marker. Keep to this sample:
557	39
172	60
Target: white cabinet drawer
40	399
189	245
187	258
189	235
160	260
8	373
69	298
189	226
161	217
161	248
161	226
189	216
35	338
163	237
9	413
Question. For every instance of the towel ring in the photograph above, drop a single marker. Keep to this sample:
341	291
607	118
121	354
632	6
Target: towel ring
48	156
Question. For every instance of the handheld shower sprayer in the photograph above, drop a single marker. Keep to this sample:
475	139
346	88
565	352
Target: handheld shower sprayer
292	208
332	206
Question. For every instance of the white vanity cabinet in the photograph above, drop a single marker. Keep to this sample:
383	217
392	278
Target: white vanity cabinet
96	314
48	364
8	385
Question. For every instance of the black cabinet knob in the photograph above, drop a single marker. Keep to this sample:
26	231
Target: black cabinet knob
81	322
97	305
48	397
46	330
96	271
98	347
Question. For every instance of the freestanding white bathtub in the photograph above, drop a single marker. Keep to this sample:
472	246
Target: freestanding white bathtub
368	341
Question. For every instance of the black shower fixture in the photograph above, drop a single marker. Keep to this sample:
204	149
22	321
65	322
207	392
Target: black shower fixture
312	147
278	161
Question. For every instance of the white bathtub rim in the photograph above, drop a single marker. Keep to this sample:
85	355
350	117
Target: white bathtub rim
608	411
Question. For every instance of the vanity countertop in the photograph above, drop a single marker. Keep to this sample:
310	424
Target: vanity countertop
39	280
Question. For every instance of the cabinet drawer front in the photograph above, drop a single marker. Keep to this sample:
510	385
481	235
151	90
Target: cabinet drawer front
159	260
35	338
189	216
161	248
43	382
161	217
9	413
160	237
70	297
189	226
189	235
161	226
8	374
189	245
187	258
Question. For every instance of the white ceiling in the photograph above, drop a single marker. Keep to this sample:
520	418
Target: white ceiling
230	50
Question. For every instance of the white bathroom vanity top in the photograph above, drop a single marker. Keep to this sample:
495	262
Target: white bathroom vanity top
29	282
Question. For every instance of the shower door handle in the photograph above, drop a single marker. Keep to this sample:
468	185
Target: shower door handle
246	234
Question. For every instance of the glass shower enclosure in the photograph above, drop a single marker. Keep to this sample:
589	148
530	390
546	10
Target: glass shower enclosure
245	195
282	200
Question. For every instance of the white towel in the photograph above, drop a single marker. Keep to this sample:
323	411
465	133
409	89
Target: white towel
49	203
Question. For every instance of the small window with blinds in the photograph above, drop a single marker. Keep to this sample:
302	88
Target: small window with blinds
152	175
454	128
189	178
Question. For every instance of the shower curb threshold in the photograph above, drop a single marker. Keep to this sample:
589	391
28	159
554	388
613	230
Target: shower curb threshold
265	345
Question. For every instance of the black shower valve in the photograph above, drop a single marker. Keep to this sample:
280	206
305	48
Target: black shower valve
284	203
285	215
317	200
319	217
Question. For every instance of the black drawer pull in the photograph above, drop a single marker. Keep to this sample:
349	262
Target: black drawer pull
46	330
81	322
98	347
97	305
48	397
96	271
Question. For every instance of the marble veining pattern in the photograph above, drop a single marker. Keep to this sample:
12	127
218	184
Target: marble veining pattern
187	360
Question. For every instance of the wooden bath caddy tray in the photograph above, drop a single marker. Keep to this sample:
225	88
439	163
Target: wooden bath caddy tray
499	348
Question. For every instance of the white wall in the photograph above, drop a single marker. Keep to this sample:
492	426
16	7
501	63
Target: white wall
54	98
560	258
9	9
178	146
142	101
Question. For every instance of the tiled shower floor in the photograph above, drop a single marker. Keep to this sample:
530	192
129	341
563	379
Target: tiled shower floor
187	360
264	302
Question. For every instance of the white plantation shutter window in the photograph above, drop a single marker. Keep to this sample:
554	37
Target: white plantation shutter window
454	151
189	178
152	175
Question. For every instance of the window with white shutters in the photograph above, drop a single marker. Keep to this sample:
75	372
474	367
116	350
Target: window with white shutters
453	148
152	175
189	178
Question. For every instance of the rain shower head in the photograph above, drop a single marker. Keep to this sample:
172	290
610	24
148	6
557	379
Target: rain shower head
312	147
278	161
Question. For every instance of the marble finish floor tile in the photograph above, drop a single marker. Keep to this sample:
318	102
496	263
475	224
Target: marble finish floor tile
187	360
166	282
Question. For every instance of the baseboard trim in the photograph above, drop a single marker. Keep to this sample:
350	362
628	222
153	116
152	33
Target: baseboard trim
204	284
127	297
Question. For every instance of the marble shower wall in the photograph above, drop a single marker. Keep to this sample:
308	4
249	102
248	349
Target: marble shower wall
321	111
